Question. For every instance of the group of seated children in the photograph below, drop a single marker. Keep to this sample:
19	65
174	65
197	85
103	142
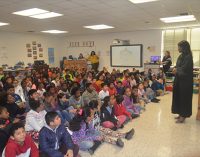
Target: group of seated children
64	111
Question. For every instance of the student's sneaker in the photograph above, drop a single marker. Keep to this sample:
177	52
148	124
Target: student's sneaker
129	134
119	142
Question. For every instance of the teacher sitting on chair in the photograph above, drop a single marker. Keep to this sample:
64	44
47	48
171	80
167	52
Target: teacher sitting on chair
94	59
183	83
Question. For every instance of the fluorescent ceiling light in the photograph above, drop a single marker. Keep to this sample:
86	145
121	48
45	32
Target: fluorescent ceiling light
54	31
46	15
30	12
182	18
142	1
183	26
3	24
98	27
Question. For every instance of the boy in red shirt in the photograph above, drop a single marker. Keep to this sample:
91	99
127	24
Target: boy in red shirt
19	143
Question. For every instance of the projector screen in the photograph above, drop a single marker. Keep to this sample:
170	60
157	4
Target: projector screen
126	55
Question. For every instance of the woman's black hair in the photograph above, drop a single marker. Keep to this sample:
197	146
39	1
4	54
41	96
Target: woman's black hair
119	99
93	53
93	104
185	47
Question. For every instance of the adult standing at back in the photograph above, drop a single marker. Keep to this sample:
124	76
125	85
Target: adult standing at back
94	59
166	62
183	83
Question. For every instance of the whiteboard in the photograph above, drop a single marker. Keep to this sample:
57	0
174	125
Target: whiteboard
126	55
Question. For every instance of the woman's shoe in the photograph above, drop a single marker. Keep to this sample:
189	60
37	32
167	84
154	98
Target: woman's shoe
181	120
177	117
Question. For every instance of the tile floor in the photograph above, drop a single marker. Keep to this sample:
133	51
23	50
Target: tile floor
157	135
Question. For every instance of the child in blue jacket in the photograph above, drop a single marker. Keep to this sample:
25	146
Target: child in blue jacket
54	140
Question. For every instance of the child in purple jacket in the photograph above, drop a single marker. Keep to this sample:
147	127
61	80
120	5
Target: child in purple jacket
128	103
80	132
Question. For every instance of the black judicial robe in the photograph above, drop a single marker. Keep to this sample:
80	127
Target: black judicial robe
183	86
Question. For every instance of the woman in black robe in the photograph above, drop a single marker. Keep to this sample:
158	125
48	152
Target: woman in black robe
183	83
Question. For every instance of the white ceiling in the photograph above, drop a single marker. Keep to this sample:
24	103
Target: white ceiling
122	14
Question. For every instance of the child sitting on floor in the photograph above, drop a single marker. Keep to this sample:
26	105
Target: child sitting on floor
136	100
120	109
54	139
76	100
119	88
157	86
104	91
141	93
111	89
5	123
108	118
151	95
20	144
80	131
107	134
68	112
15	111
41	90
35	119
128	103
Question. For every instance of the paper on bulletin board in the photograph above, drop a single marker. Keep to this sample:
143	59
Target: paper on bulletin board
51	55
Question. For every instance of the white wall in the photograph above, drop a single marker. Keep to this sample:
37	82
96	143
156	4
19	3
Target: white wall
103	42
14	46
